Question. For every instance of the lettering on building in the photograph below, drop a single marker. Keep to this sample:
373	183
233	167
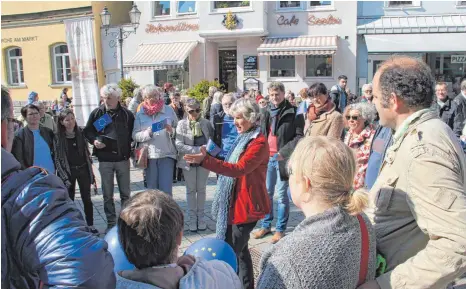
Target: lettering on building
19	39
182	26
313	20
285	21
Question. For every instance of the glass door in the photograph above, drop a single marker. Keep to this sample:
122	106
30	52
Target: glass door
227	69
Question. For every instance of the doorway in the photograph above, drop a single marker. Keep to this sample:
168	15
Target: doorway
227	69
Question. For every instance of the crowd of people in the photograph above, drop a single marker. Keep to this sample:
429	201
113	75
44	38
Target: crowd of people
380	179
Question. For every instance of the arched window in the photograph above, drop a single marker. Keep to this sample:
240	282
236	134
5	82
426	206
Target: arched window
61	64
15	66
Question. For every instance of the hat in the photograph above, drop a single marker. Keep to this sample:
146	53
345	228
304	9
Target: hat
258	98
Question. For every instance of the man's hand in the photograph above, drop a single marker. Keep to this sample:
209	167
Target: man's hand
370	285
99	144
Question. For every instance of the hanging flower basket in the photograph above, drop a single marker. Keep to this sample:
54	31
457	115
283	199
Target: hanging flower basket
230	21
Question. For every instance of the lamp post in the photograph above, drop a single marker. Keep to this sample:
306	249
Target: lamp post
134	15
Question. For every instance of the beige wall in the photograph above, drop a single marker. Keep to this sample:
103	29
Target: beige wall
25	7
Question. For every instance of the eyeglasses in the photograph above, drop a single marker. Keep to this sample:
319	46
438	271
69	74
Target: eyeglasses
194	111
353	117
33	114
368	91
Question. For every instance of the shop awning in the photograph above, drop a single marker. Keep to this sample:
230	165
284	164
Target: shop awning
433	42
160	56
302	45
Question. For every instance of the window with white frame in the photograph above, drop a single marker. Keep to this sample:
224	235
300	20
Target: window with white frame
460	3
282	66
61	64
319	65
15	66
160	8
186	7
231	4
315	4
289	5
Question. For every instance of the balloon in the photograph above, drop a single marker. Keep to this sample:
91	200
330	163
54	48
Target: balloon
114	247
213	249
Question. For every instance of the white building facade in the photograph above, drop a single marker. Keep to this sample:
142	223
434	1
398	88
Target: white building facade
243	44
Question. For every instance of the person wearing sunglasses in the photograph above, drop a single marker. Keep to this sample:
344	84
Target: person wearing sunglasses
192	133
33	144
360	117
367	93
322	117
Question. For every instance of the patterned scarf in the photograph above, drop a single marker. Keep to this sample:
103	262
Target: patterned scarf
314	113
226	185
196	126
150	110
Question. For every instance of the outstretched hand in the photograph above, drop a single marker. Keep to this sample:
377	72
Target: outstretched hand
196	158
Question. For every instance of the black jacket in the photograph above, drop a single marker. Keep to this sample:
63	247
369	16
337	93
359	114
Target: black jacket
450	114
23	145
290	128
116	136
460	100
217	123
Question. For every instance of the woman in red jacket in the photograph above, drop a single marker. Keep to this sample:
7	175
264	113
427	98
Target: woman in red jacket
241	197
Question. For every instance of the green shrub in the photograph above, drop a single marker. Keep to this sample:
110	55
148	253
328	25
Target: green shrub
127	86
201	90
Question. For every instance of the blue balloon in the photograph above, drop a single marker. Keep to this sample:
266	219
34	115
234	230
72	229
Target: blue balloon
114	247
211	248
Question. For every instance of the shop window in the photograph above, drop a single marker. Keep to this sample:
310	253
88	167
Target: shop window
313	4
461	3
289	5
61	64
179	77
186	7
161	8
319	65
449	67
231	4
282	66
15	66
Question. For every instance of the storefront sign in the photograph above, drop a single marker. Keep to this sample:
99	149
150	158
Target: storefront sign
458	59
19	39
80	41
285	21
250	66
182	26
313	20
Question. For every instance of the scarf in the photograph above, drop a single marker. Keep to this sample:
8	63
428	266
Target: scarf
226	185
314	113
150	110
274	112
196	127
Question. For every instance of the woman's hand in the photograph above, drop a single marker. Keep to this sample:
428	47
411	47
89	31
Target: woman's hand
169	128
196	158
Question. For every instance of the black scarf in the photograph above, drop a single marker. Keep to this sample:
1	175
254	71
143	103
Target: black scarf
274	113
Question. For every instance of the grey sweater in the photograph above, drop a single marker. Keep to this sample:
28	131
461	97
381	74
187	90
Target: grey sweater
323	251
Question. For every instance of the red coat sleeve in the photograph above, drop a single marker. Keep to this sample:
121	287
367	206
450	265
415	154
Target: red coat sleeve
256	152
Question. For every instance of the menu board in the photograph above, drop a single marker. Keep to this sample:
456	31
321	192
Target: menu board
251	66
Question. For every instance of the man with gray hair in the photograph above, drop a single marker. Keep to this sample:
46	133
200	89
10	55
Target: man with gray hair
109	130
225	131
207	102
45	118
45	240
417	205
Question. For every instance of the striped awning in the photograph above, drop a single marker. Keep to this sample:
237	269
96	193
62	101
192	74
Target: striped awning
160	56
301	45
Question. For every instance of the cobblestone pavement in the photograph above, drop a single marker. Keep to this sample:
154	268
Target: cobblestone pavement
179	194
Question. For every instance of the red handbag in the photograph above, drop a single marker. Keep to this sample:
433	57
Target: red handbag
364	251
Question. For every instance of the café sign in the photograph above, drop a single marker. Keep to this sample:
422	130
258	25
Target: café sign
287	22
313	20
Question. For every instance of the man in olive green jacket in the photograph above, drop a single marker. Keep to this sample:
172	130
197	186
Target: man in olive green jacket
418	203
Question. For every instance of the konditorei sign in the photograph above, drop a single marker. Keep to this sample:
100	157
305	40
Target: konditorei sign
182	26
313	20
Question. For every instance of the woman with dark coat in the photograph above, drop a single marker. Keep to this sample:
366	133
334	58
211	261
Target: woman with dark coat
73	162
241	197
33	144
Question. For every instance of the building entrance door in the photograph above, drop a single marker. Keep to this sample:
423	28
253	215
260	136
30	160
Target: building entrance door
227	69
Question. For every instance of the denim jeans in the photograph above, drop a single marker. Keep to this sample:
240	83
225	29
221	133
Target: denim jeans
283	202
159	174
107	173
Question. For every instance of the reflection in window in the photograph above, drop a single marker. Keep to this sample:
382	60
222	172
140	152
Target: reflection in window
230	4
179	77
290	4
399	3
319	65
61	64
282	66
161	8
319	3
186	7
15	66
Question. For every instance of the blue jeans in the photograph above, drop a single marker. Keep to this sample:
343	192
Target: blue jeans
159	174
283	202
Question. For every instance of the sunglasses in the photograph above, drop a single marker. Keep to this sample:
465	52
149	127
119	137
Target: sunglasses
353	117
194	111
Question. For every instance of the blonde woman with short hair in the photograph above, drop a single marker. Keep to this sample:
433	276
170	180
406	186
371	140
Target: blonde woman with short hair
324	250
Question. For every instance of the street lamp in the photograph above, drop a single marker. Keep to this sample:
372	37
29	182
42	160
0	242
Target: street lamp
134	15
